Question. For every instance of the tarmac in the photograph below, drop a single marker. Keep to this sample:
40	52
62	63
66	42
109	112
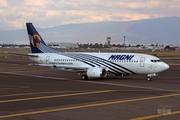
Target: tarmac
30	92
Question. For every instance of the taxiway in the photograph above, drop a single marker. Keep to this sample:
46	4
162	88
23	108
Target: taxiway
39	93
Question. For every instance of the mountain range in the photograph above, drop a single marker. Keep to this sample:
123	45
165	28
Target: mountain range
149	31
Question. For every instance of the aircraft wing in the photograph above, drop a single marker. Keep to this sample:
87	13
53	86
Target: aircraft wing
27	55
66	68
73	69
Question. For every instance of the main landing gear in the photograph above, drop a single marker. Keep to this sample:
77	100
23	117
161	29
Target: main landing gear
84	77
149	78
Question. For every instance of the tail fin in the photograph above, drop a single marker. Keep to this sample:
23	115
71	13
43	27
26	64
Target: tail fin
37	44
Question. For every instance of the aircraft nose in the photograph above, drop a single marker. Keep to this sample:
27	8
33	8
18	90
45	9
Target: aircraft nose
164	66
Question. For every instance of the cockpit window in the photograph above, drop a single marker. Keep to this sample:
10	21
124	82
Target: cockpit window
155	60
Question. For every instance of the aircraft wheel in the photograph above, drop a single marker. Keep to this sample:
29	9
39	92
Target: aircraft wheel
149	78
84	77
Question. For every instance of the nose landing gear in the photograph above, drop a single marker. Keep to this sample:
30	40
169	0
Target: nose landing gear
149	76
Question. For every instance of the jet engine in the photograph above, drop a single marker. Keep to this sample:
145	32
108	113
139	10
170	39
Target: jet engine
96	72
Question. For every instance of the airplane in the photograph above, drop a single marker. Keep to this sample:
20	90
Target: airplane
93	65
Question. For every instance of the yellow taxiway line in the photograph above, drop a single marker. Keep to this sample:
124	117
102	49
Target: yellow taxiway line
36	93
86	106
56	96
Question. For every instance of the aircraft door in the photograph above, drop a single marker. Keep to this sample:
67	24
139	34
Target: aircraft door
142	62
47	59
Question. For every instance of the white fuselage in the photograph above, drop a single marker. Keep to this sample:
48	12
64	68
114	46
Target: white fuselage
115	63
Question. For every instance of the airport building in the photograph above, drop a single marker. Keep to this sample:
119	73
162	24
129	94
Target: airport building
63	45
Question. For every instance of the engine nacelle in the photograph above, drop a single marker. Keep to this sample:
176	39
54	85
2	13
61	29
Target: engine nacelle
96	72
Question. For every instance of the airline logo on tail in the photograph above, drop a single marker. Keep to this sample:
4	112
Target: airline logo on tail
35	40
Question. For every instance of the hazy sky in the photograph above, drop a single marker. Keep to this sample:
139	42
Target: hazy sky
45	13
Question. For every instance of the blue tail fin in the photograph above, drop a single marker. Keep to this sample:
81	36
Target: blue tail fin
37	44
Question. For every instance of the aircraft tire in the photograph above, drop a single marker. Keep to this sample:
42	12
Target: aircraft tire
149	78
84	77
